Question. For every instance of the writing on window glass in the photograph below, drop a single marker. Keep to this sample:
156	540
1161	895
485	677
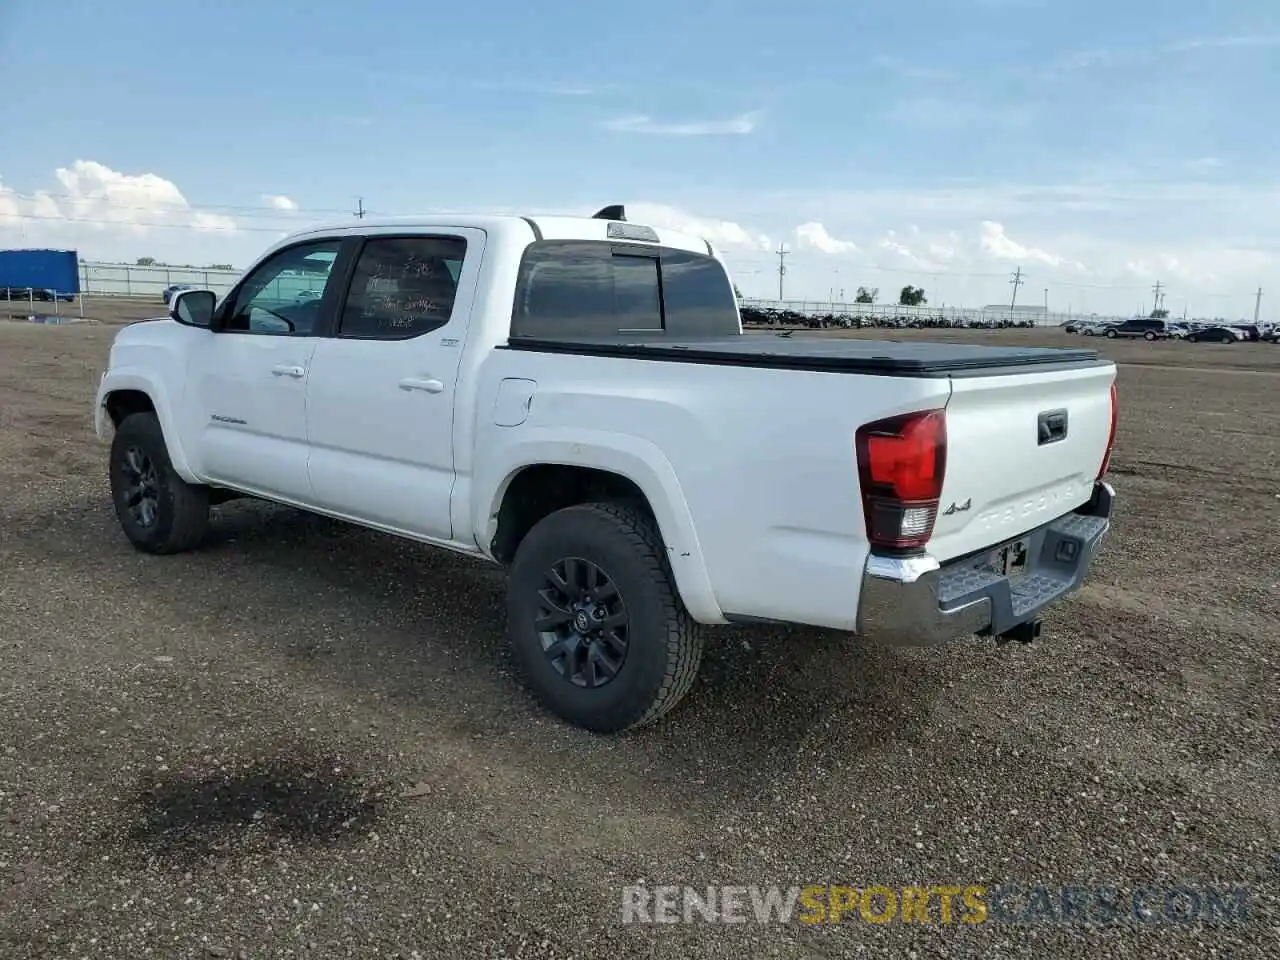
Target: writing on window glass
402	292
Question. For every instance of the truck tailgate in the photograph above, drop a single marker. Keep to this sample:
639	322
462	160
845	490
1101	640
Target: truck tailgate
1022	449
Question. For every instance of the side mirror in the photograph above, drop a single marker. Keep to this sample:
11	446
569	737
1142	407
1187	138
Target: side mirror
193	308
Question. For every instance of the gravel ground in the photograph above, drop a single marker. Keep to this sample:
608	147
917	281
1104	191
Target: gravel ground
307	740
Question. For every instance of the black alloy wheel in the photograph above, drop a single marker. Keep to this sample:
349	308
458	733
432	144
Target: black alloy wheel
157	510
583	623
596	624
141	489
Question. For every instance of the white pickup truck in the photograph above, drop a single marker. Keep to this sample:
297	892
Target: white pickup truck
575	399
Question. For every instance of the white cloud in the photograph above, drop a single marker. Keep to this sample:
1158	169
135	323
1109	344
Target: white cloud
941	252
1223	43
909	69
107	214
551	88
642	123
891	244
95	197
279	201
939	112
1128	57
814	236
996	243
721	233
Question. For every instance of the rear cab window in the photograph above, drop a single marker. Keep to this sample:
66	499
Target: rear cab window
592	288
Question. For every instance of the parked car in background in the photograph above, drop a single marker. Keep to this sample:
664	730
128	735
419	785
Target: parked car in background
1095	328
1216	334
1251	331
1178	331
1148	328
176	288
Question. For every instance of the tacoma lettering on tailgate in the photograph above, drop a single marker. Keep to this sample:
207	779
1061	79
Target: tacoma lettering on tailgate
1034	510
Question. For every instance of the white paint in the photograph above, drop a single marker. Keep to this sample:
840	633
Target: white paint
751	472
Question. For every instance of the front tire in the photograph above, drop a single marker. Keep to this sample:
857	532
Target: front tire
1111	334
598	629
158	511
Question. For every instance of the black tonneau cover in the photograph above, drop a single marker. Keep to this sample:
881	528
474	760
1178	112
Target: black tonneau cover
885	358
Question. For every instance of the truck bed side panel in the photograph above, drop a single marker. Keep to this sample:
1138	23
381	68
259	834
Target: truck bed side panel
765	460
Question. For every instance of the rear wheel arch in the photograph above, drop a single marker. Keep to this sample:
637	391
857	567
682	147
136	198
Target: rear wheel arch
531	492
538	490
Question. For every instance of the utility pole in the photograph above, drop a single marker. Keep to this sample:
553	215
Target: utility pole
782	268
1046	303
1017	282
1156	290
359	208
1257	305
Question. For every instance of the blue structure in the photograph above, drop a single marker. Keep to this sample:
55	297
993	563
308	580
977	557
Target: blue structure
56	272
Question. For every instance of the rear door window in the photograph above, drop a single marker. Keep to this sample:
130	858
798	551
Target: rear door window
403	287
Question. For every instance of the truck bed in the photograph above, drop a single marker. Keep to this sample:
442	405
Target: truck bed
884	358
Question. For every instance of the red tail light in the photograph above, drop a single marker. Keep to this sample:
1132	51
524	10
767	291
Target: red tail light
1111	437
901	464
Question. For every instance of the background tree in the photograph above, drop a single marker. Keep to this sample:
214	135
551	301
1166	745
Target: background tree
912	296
867	296
1160	314
146	261
736	292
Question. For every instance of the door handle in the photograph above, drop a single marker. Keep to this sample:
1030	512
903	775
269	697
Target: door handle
1051	427
414	383
284	370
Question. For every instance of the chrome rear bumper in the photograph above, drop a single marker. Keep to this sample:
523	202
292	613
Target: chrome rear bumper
916	601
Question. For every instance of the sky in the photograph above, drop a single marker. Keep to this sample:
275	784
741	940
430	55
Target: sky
1099	147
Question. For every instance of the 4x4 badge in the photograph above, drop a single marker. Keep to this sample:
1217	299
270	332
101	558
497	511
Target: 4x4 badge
958	507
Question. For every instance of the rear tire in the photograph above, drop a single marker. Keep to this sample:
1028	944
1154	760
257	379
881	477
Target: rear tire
599	631
1111	334
158	511
1148	336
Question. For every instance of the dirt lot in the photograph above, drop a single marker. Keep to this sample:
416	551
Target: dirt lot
113	310
306	739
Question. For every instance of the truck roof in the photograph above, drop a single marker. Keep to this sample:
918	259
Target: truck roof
530	226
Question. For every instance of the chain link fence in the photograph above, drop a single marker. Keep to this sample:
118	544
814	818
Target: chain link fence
149	282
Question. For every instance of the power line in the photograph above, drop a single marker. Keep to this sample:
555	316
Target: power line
1257	304
1155	304
359	208
207	228
161	206
782	267
1017	282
